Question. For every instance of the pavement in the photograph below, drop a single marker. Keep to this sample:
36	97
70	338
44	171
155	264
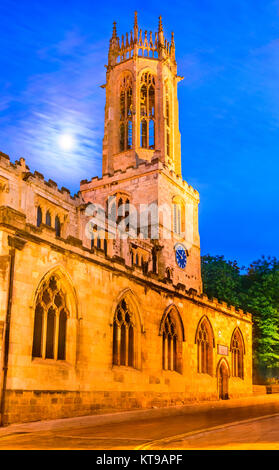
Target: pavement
195	425
253	434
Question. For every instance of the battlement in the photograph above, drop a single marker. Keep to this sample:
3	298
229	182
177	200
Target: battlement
136	171
140	44
21	170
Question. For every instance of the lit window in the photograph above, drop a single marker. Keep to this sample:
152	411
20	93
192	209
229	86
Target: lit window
50	315
204	340
237	355
123	336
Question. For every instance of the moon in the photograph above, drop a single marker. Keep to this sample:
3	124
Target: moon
66	142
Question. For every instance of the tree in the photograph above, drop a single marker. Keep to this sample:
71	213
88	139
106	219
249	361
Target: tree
221	279
255	289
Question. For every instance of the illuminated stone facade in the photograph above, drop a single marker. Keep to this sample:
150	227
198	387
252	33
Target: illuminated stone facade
114	322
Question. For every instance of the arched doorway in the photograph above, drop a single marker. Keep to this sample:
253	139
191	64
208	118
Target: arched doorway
223	380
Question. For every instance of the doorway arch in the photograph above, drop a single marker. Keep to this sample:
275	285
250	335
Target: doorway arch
223	374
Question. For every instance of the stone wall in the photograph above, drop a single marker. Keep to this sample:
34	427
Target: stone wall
87	381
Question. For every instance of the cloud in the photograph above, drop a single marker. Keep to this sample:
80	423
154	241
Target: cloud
67	99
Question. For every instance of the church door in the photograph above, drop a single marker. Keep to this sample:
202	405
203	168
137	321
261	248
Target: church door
223	381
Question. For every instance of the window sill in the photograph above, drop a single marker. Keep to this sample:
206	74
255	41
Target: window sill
125	368
51	362
168	371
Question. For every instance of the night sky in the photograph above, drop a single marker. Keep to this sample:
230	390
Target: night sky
52	66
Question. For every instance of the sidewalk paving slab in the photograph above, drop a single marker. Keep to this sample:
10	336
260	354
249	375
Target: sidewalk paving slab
144	414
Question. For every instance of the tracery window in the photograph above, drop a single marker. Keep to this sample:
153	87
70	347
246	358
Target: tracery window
204	341
50	323
147	111
126	124
237	355
124	336
172	343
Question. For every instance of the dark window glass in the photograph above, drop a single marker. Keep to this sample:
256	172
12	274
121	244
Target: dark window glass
48	219
50	334
57	226
39	216
61	354
38	330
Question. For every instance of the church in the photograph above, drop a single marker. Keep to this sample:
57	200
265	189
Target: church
101	299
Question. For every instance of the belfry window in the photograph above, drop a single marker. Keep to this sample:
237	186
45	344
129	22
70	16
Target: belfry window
126	124
237	355
123	336
147	111
50	322
204	342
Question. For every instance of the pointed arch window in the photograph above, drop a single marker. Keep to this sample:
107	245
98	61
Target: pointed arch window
50	322
172	338
204	340
147	111
126	122
124	336
237	350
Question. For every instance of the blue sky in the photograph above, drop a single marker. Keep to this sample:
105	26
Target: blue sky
52	65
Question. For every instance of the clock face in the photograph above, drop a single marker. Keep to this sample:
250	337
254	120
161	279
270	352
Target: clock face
180	256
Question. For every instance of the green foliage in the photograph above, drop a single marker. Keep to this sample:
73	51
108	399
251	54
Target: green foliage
255	289
221	279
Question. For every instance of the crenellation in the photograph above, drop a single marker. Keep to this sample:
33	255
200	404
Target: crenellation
52	184
5	156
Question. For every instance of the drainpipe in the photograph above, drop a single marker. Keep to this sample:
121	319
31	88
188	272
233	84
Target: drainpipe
14	243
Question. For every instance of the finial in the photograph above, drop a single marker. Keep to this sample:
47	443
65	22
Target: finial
136	19
160	24
114	32
172	48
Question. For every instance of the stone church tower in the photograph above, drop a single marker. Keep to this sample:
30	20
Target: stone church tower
142	155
